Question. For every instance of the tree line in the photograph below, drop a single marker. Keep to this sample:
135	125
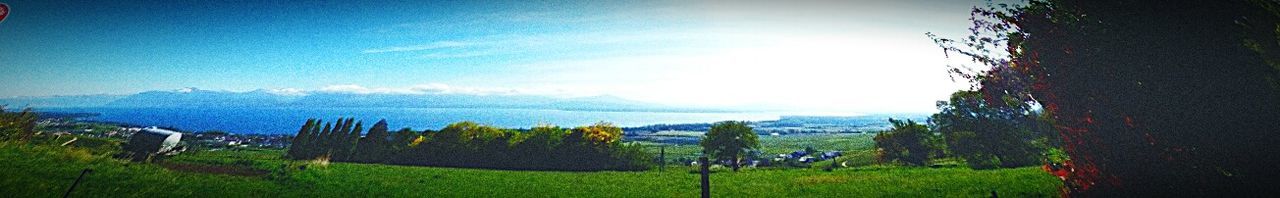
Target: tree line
968	127
469	144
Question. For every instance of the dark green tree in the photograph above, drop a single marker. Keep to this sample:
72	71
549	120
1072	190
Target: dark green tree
318	148
347	145
1153	98
300	141
375	145
538	145
729	141
908	142
989	136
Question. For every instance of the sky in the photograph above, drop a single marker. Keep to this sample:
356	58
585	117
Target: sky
837	56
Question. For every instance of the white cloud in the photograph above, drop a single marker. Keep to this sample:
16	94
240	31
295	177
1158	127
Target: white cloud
357	89
287	91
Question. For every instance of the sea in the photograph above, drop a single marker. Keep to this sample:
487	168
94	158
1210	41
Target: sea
289	120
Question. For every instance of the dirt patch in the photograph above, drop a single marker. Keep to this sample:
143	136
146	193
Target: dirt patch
216	169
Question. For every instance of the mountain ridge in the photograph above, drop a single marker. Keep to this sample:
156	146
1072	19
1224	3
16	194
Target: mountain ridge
201	98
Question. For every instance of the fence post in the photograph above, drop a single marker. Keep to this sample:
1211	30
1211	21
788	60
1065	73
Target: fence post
77	182
706	176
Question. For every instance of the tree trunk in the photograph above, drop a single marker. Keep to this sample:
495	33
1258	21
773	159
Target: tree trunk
736	164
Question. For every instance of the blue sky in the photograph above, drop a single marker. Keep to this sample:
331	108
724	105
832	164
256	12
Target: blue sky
842	57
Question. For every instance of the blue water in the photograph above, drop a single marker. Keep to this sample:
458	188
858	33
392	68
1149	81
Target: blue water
288	120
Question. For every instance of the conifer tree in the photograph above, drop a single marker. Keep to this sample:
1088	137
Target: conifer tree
308	150
300	140
374	145
331	141
347	141
318	149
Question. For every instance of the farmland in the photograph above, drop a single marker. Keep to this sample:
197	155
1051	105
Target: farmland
47	171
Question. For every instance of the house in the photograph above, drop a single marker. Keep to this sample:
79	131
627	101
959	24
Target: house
830	155
799	154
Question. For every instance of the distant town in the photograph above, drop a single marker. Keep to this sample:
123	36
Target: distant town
69	124
73	124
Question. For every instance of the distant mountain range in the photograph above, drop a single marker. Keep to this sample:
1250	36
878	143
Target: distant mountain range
199	98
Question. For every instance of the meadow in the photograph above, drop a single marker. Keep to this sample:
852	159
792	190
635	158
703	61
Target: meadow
46	171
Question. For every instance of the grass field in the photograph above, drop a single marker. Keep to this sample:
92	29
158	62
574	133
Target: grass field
44	171
772	145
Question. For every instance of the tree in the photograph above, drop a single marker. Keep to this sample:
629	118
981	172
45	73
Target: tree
537	146
908	142
300	141
309	151
988	136
320	143
404	146
375	145
1175	98
729	141
333	142
347	147
466	143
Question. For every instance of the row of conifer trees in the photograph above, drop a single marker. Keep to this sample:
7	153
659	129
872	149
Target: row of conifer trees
340	141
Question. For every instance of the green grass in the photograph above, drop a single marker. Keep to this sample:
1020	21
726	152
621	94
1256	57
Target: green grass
821	142
46	171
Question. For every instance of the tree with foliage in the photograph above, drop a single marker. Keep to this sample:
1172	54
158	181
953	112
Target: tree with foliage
1152	97
466	132
538	145
406	137
345	148
375	144
908	142
585	147
320	142
406	146
301	140
989	136
333	142
729	141
462	143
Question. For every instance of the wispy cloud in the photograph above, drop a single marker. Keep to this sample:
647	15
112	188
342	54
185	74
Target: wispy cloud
286	91
442	55
565	43
439	88
429	46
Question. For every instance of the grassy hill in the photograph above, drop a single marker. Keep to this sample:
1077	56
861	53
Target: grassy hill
47	171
